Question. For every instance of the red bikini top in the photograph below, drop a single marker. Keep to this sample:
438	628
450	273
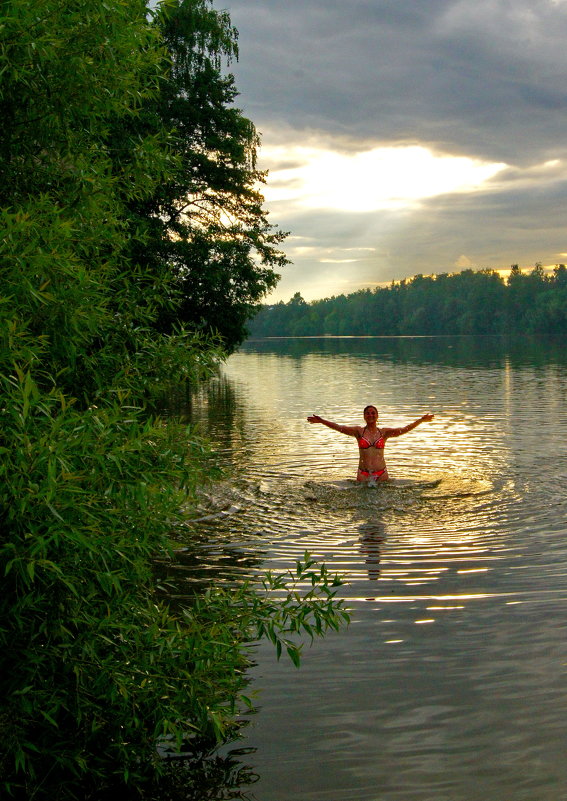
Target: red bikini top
364	443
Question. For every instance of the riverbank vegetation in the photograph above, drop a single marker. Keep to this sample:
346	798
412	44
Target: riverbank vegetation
127	202
468	302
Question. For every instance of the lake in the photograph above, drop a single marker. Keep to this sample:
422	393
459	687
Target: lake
450	684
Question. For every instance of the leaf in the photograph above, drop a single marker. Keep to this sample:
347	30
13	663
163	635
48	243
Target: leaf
294	654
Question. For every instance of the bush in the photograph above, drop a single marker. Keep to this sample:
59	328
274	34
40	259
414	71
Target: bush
96	670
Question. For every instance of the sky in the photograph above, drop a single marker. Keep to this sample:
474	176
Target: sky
407	136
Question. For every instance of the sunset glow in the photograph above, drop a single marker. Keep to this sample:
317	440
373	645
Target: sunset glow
378	179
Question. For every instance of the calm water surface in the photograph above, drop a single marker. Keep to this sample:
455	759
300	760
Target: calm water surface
451	682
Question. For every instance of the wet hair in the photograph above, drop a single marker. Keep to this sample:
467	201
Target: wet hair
370	406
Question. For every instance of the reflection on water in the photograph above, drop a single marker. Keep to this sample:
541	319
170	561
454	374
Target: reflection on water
449	685
372	536
208	775
457	351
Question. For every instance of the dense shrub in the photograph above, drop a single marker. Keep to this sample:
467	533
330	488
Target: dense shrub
96	670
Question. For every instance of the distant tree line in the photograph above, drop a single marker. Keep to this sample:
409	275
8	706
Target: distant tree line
468	302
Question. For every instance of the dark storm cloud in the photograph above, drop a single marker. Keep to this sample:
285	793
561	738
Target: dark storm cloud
481	78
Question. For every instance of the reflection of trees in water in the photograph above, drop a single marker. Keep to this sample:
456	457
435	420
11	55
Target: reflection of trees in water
197	777
204	558
205	402
203	775
217	411
451	351
198	566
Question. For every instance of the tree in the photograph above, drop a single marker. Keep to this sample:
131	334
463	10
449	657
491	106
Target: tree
62	209
205	226
560	275
95	668
467	302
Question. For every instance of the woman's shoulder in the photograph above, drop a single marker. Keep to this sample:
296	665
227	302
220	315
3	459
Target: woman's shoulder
354	431
388	432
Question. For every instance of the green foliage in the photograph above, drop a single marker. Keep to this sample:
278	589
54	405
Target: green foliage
468	302
282	610
104	669
204	225
95	668
67	73
86	499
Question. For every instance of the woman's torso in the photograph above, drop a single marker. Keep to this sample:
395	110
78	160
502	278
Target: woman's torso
371	448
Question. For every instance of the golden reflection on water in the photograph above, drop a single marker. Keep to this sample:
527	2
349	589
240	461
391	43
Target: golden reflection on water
281	391
448	683
458	483
401	536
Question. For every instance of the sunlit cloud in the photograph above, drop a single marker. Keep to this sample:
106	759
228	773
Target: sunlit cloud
390	125
327	254
383	178
330	255
338	261
432	226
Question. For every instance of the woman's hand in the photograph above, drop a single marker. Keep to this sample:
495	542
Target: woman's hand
314	418
427	417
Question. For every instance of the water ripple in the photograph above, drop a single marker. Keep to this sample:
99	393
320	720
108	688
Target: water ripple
449	684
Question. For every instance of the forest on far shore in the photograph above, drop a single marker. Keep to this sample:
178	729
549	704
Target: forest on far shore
468	302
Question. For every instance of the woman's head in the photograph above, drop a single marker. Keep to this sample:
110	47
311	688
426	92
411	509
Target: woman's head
370	411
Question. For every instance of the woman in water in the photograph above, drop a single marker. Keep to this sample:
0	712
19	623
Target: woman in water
371	441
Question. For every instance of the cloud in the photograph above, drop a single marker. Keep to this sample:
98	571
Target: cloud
387	124
460	76
369	180
521	221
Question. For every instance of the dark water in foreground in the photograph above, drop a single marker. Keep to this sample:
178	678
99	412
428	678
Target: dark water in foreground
451	682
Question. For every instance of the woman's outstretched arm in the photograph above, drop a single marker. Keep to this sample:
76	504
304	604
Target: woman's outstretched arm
397	432
350	430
